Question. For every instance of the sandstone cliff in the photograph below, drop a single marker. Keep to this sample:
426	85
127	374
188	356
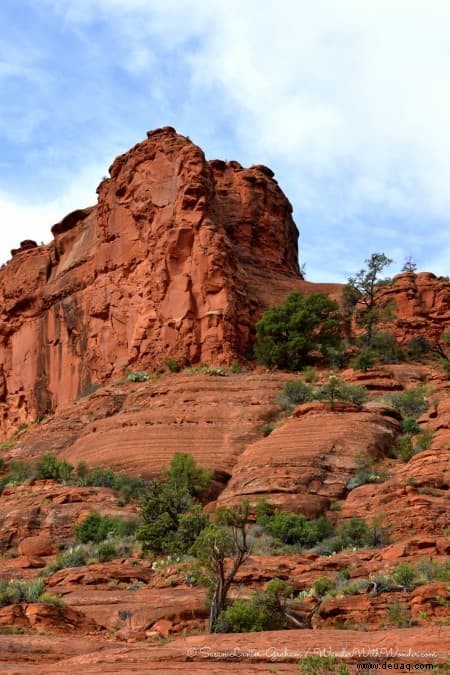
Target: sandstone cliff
420	305
175	259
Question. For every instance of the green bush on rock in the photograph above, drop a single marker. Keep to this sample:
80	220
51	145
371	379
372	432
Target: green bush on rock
286	334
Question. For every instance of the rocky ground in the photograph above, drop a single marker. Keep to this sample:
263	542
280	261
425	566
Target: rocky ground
128	616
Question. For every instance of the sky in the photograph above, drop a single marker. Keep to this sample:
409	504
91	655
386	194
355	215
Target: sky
348	102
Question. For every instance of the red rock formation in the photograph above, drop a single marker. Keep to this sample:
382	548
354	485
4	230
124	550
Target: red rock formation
137	428
174	260
420	304
34	516
414	499
40	617
305	464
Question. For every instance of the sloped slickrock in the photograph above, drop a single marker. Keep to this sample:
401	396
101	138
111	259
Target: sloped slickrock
378	379
415	499
305	464
137	609
258	652
136	428
175	259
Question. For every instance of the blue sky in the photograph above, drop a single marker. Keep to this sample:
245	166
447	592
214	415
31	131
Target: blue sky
348	102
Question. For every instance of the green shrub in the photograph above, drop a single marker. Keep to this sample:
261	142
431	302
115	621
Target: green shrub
52	599
434	571
9	594
405	449
295	393
50	467
423	440
411	403
263	611
309	374
216	371
417	347
336	358
387	348
74	556
82	471
106	551
267	429
405	575
206	369
264	511
235	367
96	528
138	376
364	360
6	445
166	534
353	534
243	616
322	665
296	530
21	590
19	472
399	615
190	524
286	334
172	364
98	476
171	521
365	472
183	472
409	426
292	528
337	389
323	586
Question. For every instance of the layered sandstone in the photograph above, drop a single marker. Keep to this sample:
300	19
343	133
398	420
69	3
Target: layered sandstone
34	517
305	464
174	260
419	305
136	428
414	499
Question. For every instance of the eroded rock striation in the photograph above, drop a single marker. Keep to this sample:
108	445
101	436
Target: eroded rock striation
174	260
419	304
305	465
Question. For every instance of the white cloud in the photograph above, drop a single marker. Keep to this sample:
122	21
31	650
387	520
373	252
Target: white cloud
22	220
318	84
350	101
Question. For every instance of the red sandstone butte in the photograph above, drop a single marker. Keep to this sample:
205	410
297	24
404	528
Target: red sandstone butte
169	262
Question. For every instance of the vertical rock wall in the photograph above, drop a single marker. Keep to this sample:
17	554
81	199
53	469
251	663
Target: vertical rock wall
168	263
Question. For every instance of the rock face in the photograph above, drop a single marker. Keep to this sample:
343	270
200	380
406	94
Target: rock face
174	259
136	428
420	304
33	517
305	464
415	498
